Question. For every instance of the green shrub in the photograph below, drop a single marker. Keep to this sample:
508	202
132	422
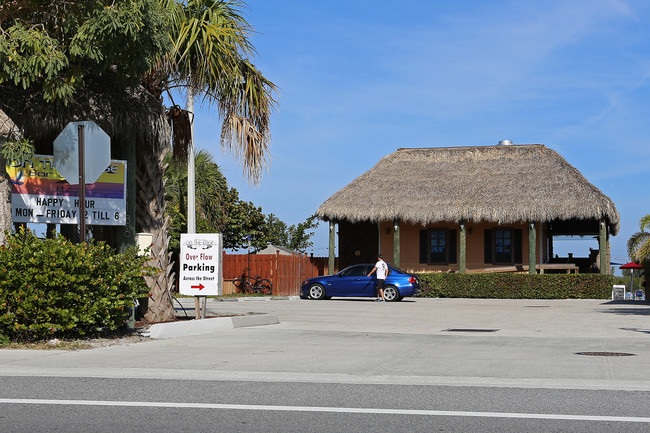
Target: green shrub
517	286
53	288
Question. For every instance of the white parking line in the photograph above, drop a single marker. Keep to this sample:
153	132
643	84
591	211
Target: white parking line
359	410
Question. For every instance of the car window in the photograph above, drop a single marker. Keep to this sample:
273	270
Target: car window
355	271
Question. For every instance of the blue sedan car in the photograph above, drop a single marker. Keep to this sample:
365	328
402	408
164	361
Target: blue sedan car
353	281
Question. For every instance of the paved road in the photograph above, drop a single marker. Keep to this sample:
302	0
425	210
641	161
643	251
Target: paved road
355	365
71	404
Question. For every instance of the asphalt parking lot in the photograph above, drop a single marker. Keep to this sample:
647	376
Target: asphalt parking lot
421	341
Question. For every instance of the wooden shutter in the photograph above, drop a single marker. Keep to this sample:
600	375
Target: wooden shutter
487	246
424	246
517	245
451	241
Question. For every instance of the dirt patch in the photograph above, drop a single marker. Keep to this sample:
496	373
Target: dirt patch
118	338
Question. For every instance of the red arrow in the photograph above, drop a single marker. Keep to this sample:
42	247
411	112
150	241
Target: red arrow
200	286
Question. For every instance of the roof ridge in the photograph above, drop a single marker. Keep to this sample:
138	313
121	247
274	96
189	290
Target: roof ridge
469	147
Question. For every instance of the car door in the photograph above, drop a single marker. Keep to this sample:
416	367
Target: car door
352	281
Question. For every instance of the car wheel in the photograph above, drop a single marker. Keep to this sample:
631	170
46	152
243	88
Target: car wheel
316	291
391	293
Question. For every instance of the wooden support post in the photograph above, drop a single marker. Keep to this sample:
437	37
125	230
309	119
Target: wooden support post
462	256
603	247
330	263
396	243
532	247
197	308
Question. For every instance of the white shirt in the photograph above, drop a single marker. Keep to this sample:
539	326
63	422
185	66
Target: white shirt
382	267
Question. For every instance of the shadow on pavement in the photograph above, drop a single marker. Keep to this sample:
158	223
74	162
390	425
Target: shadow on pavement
639	308
643	331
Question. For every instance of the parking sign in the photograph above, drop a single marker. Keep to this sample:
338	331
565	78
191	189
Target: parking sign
201	259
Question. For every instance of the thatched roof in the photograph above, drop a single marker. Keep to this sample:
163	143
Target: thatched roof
499	184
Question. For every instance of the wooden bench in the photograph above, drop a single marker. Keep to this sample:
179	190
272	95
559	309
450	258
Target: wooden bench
497	269
568	267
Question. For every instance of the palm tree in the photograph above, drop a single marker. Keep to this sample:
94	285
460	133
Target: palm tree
7	129
638	246
210	58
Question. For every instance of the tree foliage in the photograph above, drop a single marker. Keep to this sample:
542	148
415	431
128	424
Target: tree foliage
210	192
295	237
220	210
245	224
52	47
638	246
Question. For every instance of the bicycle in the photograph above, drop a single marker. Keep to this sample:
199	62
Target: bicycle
248	284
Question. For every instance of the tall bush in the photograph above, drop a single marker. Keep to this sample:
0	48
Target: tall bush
516	286
53	288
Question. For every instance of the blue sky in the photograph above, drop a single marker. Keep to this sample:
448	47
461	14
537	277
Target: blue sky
359	79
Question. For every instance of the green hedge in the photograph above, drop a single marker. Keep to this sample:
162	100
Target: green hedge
517	286
53	288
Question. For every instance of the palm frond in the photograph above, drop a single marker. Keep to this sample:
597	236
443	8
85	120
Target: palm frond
247	144
644	223
211	46
635	242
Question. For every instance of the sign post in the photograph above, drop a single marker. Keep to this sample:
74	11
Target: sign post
82	184
201	273
78	166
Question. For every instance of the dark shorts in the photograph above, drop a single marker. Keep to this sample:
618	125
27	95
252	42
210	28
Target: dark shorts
380	284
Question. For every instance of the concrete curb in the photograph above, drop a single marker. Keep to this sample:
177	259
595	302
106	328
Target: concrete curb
256	299
216	324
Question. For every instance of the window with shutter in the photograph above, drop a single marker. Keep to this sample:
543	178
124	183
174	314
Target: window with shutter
502	246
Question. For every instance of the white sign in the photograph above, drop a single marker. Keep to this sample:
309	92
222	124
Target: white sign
618	293
200	264
39	194
97	152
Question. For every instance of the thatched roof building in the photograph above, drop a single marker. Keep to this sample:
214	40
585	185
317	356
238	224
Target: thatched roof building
496	184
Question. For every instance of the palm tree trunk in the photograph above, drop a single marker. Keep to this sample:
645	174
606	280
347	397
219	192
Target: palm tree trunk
6	126
5	202
151	219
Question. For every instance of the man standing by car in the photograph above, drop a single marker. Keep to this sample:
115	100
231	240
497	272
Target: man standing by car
381	267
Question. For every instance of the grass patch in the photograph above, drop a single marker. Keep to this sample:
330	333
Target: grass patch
46	345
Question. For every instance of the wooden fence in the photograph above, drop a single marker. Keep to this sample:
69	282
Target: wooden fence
285	272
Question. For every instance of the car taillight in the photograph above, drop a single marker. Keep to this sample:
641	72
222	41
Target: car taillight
412	280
